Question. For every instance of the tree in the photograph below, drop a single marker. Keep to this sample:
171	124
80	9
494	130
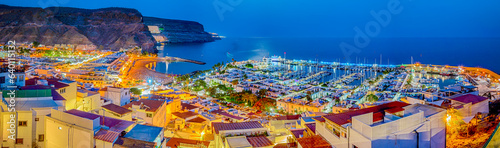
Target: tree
234	82
211	91
249	97
262	93
136	91
36	44
201	84
248	65
245	76
371	98
308	96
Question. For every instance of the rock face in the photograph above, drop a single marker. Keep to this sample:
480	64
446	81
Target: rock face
107	28
179	31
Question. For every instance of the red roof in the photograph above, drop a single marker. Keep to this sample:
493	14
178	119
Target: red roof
315	141
260	141
378	116
312	127
197	120
224	113
297	132
394	110
343	118
469	98
286	145
176	142
116	125
105	135
184	115
116	109
54	82
151	105
188	106
288	117
219	126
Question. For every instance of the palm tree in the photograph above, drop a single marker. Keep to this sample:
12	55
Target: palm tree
262	93
371	98
308	96
249	97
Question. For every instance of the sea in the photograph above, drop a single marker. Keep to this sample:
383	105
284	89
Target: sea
470	52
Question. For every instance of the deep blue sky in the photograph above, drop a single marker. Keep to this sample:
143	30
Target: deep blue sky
319	18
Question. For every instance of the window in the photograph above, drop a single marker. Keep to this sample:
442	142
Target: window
19	141
353	146
37	119
62	91
41	138
23	123
21	78
2	80
149	115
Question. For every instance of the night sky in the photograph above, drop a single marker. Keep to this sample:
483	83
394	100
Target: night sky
320	18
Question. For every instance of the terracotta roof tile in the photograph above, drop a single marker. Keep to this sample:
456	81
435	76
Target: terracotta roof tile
260	141
188	106
219	126
288	117
116	109
197	120
105	135
343	118
184	115
315	141
176	142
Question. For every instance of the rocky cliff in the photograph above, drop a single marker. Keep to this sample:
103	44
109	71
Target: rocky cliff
109	28
179	31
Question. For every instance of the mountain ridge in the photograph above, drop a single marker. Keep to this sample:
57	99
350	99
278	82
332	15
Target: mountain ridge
105	28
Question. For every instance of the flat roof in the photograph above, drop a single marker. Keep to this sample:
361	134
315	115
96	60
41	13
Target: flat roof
144	133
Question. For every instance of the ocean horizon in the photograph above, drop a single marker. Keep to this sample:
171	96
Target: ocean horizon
470	52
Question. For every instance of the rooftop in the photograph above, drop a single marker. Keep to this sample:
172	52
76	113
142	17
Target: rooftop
176	142
188	106
219	126
116	125
150	105
315	141
116	109
298	133
144	133
343	118
197	120
288	117
469	98
184	115
56	82
105	135
260	141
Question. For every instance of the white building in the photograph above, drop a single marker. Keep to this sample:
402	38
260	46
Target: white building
119	96
394	124
78	129
5	79
469	105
